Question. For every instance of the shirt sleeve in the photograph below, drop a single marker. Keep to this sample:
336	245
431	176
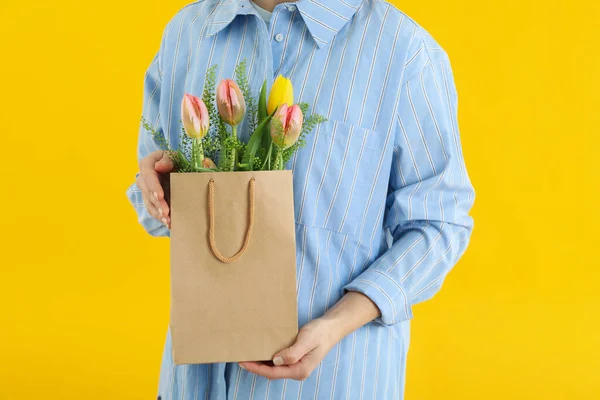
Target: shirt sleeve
147	144
429	198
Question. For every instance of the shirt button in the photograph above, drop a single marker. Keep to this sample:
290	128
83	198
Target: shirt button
279	37
292	7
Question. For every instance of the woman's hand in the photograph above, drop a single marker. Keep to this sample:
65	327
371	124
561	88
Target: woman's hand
153	180
317	338
313	342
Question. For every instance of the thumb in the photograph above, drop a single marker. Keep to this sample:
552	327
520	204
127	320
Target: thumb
294	353
165	164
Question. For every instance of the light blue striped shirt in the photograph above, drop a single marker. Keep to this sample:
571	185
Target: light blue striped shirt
381	191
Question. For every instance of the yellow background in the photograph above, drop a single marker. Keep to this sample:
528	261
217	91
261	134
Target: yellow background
84	291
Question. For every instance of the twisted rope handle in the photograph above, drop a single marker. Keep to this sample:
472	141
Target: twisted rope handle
211	209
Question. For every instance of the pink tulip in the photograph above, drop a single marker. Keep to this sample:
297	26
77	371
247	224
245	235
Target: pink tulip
291	119
194	116
230	102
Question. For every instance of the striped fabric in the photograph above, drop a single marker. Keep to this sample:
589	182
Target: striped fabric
381	191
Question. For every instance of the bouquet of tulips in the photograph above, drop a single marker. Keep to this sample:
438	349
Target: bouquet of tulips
210	142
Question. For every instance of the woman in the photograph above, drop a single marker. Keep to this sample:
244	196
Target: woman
383	192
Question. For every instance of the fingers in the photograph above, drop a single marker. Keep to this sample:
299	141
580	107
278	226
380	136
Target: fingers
299	360
164	165
295	362
152	210
289	356
299	371
150	203
305	342
150	167
150	175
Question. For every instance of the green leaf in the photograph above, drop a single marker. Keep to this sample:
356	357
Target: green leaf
262	102
266	141
255	141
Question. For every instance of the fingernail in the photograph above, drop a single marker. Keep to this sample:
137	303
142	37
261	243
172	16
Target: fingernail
278	360
160	211
164	220
155	195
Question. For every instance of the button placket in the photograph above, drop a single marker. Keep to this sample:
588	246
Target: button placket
279	25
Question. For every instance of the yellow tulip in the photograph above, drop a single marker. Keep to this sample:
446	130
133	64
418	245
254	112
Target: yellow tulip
281	92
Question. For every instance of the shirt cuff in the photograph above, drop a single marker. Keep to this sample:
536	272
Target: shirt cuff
385	292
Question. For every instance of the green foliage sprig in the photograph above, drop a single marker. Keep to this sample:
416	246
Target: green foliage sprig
221	143
251	104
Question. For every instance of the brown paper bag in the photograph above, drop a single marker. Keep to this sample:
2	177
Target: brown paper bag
233	290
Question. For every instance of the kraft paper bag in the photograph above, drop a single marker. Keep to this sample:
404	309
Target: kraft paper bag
233	266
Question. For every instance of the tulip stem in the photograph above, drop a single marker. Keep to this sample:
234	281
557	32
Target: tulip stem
268	158
198	154
278	159
234	150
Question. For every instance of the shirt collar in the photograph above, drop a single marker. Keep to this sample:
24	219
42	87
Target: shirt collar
323	18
